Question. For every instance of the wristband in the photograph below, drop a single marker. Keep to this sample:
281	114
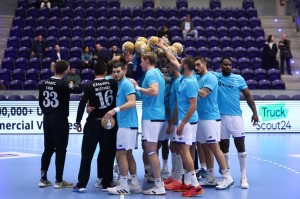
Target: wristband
117	109
137	88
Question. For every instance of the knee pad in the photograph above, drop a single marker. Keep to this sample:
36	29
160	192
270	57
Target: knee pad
224	145
151	153
240	144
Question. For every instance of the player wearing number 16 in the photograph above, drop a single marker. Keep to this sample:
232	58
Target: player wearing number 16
54	96
101	94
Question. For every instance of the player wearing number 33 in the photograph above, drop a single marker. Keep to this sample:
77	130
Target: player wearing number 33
101	94
54	96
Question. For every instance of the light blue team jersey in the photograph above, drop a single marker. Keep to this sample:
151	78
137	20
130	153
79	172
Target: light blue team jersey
127	118
174	86
207	107
107	77
230	88
188	89
153	107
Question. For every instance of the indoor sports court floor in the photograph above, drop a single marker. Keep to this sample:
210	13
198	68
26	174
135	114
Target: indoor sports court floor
273	170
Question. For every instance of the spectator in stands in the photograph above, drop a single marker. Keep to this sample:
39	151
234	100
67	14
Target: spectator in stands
115	51
72	78
101	53
45	3
86	57
58	55
187	27
285	54
38	47
164	34
269	53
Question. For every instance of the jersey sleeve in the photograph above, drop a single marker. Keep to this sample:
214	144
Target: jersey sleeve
128	88
211	82
152	77
192	90
242	83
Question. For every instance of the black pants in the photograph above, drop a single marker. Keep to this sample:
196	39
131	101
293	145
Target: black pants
94	133
288	64
56	136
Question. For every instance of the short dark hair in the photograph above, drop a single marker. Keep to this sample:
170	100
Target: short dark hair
201	58
110	65
189	61
100	68
61	66
119	64
223	58
269	38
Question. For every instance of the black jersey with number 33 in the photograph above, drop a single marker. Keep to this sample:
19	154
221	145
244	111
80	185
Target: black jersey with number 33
101	94
54	96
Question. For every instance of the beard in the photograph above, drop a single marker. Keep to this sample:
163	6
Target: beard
226	72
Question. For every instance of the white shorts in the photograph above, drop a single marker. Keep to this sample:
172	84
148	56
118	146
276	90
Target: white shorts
188	135
173	134
126	138
208	131
232	125
151	130
163	133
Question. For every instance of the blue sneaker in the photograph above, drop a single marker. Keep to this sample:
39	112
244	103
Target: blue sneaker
79	189
202	173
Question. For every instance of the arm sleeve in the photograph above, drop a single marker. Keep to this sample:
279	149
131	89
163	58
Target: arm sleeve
82	104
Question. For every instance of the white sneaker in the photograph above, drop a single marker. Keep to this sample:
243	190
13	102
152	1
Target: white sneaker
128	177
148	177
208	182
118	190
135	188
244	183
225	183
98	183
165	170
155	191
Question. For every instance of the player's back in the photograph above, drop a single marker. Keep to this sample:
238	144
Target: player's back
54	97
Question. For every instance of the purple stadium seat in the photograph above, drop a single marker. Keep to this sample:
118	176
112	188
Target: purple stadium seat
191	51
208	21
220	21
43	12
75	97
32	74
295	97
254	22
138	31
77	21
41	30
189	41
260	42
150	21
214	4
181	4
24	52
225	41
172	12
5	74
200	30
126	21
90	21
234	62
242	22
182	12
16	31
148	3
283	97
247	73
278	84
114	3
79	11
55	11
53	31
46	63
32	11
160	12
85	82
197	21
29	98
75	62
30	85
21	63
8	63
18	21
149	12
173	21
244	63
251	12
269	97
2	98
246	32
103	12
102	31
257	97
126	38
205	12
231	22
67	11
216	63
45	73
252	84
64	41
54	21
10	52
20	12
79	3
228	12
213	41
87	73
256	63
77	31
210	31
30	21
222	31
195	12
13	42
253	52
114	12
236	71
150	31
203	51
228	52
234	31
239	51
114	21
90	31
201	41
176	39
248	4
16	85
240	12
91	12
65	31
28	31
260	74
114	31
89	41
14	97
264	84
217	12
215	52
102	21
114	41
126	12
34	63
175	31
103	41
258	32
273	74
137	11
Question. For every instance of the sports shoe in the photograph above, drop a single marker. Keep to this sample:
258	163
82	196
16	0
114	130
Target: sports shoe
155	191
194	191
202	173
148	177
208	182
181	188
168	180
225	183
98	183
63	184
44	183
79	189
173	184
118	190
244	183
135	188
